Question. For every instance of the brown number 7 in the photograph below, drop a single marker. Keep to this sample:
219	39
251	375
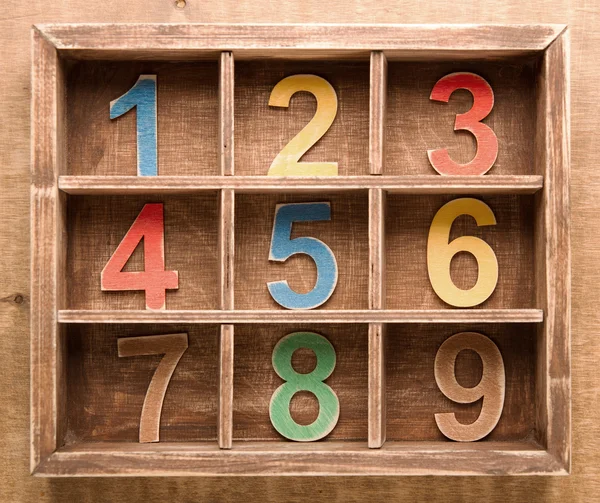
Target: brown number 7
172	346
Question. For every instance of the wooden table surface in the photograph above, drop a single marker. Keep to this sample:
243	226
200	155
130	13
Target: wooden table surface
16	485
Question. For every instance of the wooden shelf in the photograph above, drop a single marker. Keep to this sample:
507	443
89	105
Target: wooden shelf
286	458
412	184
321	316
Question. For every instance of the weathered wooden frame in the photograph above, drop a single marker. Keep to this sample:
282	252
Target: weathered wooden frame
54	44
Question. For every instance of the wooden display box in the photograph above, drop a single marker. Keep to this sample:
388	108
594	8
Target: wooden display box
384	319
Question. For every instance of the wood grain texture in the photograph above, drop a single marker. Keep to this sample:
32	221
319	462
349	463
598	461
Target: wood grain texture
413	397
407	228
47	260
416	124
106	393
306	316
553	249
377	385
253	230
283	40
226	248
188	132
377	111
403	184
226	359
347	140
584	483
226	115
98	223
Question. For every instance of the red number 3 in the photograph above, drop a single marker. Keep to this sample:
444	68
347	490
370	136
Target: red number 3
487	143
154	280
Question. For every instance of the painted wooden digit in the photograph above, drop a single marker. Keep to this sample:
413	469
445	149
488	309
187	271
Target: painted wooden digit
491	387
142	97
154	280
172	346
287	161
440	253
329	405
282	248
487	143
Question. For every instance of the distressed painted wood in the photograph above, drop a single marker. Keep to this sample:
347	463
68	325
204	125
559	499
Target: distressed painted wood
287	162
503	184
172	346
148	226
441	250
471	120
491	387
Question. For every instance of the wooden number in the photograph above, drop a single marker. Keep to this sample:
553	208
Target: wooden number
287	161
142	97
172	346
154	280
487	143
491	387
440	253
282	248
329	405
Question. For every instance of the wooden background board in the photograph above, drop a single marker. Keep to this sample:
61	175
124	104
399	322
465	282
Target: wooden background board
583	16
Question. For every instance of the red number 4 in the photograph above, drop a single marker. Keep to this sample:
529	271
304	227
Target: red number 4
154	280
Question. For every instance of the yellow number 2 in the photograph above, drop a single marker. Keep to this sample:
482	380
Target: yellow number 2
440	253
287	161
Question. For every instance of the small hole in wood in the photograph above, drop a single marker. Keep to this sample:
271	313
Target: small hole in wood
180	4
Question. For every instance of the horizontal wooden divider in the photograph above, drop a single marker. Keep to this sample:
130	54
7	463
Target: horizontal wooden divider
402	184
323	316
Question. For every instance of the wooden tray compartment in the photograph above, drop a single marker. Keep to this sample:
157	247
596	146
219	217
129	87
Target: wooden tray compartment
535	179
105	393
261	131
416	124
346	234
408	222
97	224
255	381
187	112
413	396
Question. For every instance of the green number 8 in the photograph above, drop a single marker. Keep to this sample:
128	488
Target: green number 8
329	405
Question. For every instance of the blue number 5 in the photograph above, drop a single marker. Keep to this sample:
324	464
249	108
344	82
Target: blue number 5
282	248
142	96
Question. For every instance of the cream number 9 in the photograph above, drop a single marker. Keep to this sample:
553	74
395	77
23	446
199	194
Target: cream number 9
491	387
287	161
440	253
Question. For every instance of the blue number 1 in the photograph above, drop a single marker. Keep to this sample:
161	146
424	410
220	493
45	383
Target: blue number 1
142	96
282	248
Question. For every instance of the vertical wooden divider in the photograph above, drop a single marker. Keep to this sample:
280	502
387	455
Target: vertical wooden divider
226	249
377	110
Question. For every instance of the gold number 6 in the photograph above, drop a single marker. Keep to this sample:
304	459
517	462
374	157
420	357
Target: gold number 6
440	253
